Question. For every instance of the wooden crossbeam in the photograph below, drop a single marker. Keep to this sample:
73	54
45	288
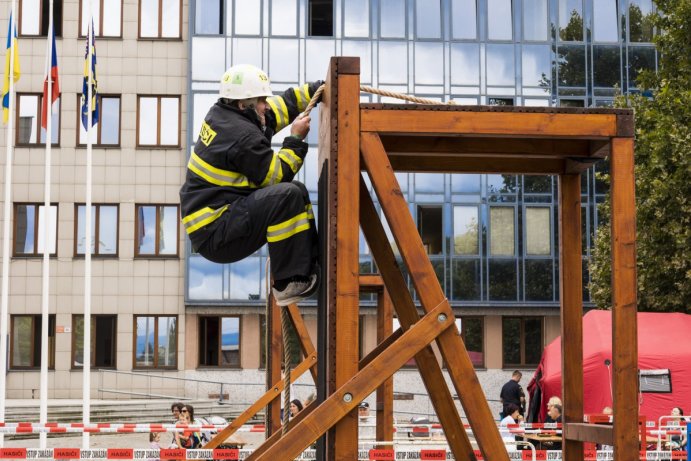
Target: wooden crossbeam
458	362
347	397
305	342
404	121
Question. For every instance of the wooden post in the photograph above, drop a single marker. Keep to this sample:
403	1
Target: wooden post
624	326
274	358
384	409
339	158
571	296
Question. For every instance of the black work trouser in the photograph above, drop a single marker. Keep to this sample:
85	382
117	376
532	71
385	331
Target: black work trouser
280	214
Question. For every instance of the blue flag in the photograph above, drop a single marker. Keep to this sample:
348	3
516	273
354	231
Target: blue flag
93	104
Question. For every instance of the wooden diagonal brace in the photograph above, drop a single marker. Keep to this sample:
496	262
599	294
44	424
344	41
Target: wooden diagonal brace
348	396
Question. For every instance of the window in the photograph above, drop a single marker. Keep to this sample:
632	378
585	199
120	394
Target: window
522	341
465	230
499	20
429	224
464	19
640	20
219	342
104	230
320	18
25	342
283	18
535	20
571	20
158	121
473	335
103	327
605	24
208	17
107	16
392	18
428	18
356	18
502	231
160	19
33	17
107	131
538	231
155	341
29	229
29	130
157	230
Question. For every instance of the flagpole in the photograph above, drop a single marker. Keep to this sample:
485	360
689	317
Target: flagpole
86	367
6	228
45	299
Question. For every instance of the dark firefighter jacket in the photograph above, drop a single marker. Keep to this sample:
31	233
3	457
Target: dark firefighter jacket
233	157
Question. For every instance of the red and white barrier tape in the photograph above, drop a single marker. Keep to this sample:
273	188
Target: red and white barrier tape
235	454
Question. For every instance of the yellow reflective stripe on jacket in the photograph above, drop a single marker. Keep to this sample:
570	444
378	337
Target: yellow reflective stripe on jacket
302	96
308	210
216	175
288	228
291	158
201	218
275	173
278	105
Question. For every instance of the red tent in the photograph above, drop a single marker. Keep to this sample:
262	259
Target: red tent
664	343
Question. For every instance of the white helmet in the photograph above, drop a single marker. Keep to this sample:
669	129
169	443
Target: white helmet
245	81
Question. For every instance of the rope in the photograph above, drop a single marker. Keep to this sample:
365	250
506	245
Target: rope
369	89
287	366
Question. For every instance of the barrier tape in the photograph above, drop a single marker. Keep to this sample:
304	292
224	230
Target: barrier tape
308	455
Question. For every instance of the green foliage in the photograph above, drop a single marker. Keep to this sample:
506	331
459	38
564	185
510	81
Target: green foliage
663	179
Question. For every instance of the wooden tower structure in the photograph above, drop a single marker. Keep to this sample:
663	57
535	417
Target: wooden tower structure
380	139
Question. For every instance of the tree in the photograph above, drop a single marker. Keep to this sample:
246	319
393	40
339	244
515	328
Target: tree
663	179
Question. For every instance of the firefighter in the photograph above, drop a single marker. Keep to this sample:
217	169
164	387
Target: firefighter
239	194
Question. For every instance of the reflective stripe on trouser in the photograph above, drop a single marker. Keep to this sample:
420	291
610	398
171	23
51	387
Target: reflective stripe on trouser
280	215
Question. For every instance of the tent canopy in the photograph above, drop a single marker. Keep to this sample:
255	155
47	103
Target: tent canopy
664	343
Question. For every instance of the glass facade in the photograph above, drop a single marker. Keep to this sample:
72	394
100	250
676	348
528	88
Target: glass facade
492	238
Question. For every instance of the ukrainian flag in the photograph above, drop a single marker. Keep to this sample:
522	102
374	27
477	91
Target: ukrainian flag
12	48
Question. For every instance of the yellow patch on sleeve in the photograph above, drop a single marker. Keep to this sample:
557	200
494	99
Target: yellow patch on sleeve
206	134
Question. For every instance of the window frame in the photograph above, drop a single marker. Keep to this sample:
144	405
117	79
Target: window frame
114	351
522	341
157	255
220	318
57	23
97	218
160	23
100	22
38	142
155	366
37	223
98	125
35	341
158	144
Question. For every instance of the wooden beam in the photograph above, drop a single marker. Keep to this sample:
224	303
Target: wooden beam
512	124
417	145
274	358
584	432
384	408
624	283
347	397
305	342
453	350
571	299
371	283
430	371
270	395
